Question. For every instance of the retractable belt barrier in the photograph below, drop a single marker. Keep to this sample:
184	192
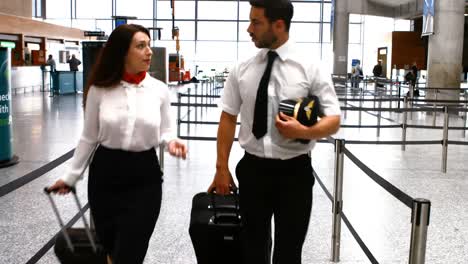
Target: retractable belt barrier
420	209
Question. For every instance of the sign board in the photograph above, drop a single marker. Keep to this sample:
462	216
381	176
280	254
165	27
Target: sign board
94	33
428	17
7	44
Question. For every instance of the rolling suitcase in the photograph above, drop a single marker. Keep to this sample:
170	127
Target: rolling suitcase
215	225
76	245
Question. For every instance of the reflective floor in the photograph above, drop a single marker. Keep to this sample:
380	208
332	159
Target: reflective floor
45	128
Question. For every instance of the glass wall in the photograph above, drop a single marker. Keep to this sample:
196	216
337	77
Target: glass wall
211	32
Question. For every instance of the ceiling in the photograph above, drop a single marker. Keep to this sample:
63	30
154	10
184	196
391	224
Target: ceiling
392	2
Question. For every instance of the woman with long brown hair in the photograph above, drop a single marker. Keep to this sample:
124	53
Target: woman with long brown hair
127	115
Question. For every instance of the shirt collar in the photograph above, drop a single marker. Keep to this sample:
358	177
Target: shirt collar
283	51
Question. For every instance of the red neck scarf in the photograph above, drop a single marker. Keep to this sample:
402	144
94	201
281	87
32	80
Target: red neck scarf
134	78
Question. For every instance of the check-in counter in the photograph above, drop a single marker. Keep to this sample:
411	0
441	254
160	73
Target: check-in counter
66	82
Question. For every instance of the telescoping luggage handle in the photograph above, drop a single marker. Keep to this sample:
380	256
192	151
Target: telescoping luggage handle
63	228
215	208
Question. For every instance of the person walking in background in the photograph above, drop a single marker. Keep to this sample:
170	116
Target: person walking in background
275	173
73	62
51	62
127	115
356	75
377	71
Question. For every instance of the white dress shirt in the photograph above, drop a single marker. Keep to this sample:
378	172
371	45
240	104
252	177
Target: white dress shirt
130	117
293	76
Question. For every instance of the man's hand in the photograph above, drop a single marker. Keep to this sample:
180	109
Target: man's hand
222	182
177	148
289	127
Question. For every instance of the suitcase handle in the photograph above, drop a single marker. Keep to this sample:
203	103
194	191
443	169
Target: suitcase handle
63	228
217	215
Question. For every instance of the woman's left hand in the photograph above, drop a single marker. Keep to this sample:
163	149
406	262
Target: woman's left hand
177	148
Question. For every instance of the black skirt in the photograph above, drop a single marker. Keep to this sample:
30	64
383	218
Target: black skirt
124	192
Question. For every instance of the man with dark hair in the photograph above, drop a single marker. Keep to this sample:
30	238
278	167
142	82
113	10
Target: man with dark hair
275	174
73	62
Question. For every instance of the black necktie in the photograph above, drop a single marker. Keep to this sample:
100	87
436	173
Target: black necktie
259	127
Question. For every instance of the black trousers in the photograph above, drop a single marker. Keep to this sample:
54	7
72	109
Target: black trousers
124	192
282	188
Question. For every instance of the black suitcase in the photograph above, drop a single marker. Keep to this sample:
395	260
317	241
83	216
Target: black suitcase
215	225
77	245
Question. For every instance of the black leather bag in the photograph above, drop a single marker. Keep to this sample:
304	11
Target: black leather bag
215	225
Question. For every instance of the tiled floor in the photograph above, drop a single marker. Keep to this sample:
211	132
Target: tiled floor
45	128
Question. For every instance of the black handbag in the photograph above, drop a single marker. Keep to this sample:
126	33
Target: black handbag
215	225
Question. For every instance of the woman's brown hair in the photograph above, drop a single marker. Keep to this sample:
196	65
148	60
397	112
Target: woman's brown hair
109	66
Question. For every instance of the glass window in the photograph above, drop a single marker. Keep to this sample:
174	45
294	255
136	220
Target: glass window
326	33
60	22
217	30
105	25
354	33
402	25
305	32
100	9
222	10
137	8
84	24
184	9
326	12
58	9
216	51
244	10
310	50
187	48
306	12
354	18
327	57
247	50
186	29
243	34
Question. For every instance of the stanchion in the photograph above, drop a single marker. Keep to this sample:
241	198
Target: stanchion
179	101
379	114
345	114
465	114
337	199
420	215
161	157
188	111
405	120
445	140
434	117
360	106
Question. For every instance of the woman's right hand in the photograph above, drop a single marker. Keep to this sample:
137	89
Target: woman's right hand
59	187
222	182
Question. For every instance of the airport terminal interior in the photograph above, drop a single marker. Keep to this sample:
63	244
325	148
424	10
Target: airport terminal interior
390	185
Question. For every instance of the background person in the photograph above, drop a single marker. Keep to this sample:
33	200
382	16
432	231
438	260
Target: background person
127	115
275	174
73	62
51	62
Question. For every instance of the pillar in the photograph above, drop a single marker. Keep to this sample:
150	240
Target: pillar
445	50
340	36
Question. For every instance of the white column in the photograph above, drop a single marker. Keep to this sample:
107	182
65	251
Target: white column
445	51
340	37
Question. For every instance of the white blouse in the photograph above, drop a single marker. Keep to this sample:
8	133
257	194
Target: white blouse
130	117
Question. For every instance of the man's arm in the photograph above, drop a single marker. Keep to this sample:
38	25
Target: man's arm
223	181
289	127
